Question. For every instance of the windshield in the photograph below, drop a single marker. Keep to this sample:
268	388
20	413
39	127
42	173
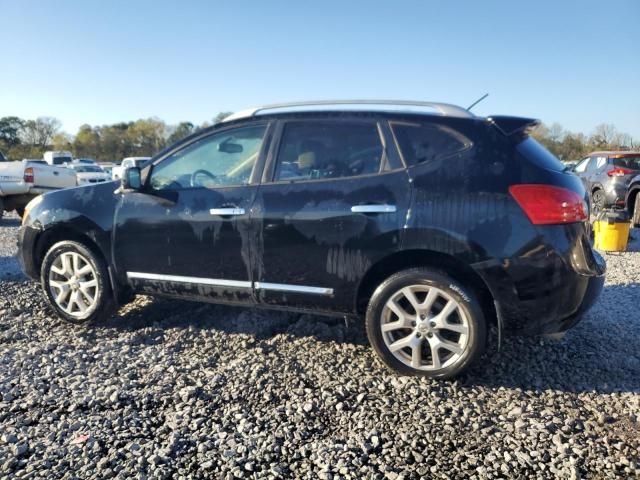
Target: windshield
61	160
87	169
632	163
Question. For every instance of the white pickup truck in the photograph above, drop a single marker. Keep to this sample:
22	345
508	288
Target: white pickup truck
118	170
22	181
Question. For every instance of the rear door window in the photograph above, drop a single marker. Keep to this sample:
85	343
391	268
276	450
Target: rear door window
420	142
313	150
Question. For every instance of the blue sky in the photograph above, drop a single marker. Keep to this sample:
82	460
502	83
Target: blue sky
88	61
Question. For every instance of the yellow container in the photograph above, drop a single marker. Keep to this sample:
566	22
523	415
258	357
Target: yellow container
611	232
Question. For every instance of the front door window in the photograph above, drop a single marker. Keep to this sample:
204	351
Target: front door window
223	159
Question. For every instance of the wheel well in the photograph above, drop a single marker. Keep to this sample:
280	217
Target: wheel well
595	189
396	262
58	234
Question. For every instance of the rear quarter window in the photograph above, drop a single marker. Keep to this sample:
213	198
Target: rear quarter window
419	143
540	156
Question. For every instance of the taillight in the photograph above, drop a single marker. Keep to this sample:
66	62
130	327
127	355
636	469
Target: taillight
28	175
546	204
619	172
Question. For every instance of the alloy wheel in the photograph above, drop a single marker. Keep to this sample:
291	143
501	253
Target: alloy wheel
425	328
73	283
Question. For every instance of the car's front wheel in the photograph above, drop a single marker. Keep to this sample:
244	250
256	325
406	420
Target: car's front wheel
422	322
76	283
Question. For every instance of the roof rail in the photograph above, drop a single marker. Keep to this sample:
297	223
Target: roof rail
445	109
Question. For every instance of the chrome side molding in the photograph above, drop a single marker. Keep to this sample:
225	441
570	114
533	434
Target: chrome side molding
217	282
283	287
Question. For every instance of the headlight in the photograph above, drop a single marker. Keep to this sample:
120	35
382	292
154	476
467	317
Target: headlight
29	206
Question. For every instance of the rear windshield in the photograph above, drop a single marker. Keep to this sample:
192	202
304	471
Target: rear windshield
628	162
536	153
61	160
87	169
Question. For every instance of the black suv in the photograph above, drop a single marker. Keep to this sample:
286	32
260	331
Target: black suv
427	221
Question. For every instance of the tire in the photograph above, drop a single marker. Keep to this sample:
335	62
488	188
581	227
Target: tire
635	217
1	208
424	335
597	201
59	272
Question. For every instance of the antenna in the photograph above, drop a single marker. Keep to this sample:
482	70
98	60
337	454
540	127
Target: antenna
477	101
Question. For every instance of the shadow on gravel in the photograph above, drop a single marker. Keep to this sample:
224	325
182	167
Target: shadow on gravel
260	323
10	269
602	353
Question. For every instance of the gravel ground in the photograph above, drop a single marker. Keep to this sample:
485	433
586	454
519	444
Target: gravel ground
177	389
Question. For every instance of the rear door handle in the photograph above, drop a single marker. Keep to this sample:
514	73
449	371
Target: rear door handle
229	211
373	208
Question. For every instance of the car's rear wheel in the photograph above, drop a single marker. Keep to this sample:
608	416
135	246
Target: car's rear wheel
76	283
597	201
422	322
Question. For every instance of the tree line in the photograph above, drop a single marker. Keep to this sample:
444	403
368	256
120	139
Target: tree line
569	146
20	138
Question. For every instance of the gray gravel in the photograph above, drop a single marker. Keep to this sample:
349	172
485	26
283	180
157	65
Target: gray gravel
177	389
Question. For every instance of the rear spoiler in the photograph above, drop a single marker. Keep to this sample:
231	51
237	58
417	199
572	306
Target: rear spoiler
513	126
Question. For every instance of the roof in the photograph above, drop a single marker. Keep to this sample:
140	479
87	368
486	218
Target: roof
616	153
444	109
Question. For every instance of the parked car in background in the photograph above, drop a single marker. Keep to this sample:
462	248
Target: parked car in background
107	167
58	157
633	200
87	173
607	175
116	172
89	161
21	181
431	225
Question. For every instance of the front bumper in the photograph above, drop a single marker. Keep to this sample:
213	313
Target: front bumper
27	237
548	288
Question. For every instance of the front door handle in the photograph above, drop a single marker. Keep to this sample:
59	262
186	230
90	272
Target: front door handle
228	211
373	208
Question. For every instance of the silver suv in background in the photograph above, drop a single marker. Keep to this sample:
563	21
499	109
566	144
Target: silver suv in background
607	176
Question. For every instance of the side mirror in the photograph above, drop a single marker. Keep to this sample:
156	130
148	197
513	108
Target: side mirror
131	179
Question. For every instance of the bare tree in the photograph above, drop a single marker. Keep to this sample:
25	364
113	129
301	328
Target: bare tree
40	132
603	134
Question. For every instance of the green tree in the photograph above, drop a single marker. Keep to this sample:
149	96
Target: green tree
10	128
86	143
184	129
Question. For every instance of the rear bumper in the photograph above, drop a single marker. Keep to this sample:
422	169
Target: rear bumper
550	286
615	194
